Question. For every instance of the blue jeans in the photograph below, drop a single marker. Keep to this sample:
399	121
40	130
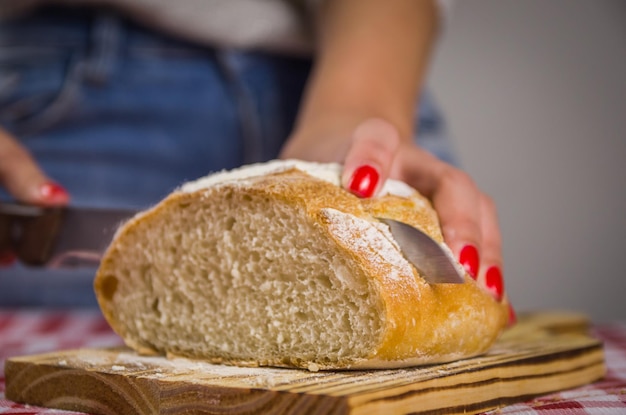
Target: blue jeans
121	115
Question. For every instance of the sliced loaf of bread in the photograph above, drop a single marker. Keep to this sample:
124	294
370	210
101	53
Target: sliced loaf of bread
276	264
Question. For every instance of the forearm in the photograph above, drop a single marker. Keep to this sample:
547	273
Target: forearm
371	60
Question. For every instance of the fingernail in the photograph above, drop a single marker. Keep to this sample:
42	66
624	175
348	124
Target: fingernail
53	192
364	180
494	282
512	316
469	259
7	258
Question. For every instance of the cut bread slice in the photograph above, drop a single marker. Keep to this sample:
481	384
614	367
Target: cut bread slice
276	264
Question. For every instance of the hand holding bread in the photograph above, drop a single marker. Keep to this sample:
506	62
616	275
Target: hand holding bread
374	152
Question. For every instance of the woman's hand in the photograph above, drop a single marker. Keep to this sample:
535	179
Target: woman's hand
25	181
375	152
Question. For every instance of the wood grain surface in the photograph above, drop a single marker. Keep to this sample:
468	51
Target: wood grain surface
544	353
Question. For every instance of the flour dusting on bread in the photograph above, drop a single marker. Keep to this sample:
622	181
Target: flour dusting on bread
374	240
329	172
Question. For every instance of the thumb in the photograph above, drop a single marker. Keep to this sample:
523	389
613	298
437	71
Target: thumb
22	177
368	161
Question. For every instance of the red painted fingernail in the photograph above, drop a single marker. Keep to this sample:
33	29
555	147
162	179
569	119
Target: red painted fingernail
469	259
364	180
53	192
494	282
7	258
512	316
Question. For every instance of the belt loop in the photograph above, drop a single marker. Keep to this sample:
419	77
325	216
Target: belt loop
104	44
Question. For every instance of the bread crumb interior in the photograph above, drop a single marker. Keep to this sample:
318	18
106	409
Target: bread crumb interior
239	277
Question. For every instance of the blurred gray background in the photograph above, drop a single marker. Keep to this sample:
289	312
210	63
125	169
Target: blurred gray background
535	95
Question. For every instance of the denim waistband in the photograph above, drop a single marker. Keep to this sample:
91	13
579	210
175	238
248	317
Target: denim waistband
72	27
101	35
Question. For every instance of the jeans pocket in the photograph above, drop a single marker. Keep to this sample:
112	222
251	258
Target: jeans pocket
38	88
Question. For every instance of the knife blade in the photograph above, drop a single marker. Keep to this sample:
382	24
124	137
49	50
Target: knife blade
432	261
60	236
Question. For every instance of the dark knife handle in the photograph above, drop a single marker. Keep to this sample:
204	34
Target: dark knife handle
30	232
6	227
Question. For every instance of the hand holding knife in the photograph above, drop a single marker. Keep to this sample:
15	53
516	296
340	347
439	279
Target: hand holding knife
58	237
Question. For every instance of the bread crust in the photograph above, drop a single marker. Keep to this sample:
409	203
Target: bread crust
423	323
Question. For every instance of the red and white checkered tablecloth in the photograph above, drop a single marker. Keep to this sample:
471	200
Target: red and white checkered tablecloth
27	332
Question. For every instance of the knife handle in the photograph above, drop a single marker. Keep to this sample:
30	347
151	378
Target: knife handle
38	236
30	232
6	233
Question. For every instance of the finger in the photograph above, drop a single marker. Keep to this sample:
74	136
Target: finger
468	217
491	276
368	161
22	177
457	201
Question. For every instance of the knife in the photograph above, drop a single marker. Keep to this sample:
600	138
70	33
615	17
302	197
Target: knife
63	237
433	262
58	237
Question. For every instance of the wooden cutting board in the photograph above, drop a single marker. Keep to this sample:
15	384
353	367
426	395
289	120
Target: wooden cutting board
543	353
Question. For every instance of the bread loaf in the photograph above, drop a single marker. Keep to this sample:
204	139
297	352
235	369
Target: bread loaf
276	264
